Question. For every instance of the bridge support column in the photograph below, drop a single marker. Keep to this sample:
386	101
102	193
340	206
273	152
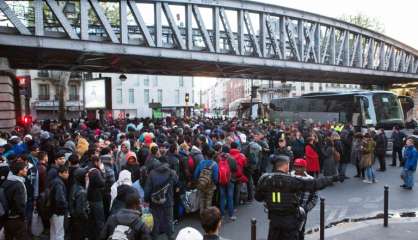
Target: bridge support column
415	113
9	97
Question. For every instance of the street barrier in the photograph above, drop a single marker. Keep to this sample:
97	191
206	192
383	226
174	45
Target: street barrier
386	206
253	229
322	220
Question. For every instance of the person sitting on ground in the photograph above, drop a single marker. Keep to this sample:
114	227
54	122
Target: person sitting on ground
211	222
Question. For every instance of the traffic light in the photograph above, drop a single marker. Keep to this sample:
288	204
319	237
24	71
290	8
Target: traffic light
186	98
23	81
26	120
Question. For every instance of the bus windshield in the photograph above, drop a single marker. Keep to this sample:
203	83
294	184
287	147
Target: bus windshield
387	108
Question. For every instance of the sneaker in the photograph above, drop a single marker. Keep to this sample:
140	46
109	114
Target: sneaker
357	176
375	181
403	185
367	181
233	218
393	165
408	188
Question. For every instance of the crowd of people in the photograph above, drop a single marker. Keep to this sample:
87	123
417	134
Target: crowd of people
97	180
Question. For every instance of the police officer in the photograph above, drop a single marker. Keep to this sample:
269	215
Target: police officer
281	194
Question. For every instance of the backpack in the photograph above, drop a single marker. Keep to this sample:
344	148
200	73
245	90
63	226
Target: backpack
191	164
124	232
4	206
159	197
224	172
204	181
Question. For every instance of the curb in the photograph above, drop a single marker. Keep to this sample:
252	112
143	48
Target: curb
346	227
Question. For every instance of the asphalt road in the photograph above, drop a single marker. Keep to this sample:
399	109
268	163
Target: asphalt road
351	199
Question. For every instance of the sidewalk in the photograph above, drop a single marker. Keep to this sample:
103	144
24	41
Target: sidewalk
401	228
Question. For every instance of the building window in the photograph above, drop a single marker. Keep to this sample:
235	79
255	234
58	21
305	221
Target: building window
160	95
146	81
181	82
320	88
155	82
311	87
73	93
131	96
177	96
119	96
43	73
146	95
302	88
43	92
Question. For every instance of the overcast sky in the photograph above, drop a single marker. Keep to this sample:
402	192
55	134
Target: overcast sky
400	17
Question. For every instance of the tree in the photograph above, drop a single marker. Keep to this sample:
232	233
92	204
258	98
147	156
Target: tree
61	81
365	21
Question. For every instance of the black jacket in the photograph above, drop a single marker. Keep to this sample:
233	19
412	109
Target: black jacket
281	191
59	203
127	217
16	197
78	204
96	185
52	174
156	180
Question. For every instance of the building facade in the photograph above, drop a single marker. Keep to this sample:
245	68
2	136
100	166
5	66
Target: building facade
134	95
131	96
44	95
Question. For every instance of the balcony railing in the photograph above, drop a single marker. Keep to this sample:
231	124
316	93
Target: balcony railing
44	97
43	73
74	97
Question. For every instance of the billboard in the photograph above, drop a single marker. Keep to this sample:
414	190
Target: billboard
95	94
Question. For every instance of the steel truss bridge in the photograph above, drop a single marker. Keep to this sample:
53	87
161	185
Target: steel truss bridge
228	38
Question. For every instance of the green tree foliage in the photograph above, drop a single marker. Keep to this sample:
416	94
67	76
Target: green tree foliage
365	21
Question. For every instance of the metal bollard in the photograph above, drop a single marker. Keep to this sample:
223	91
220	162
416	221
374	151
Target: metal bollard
386	207
253	229
322	220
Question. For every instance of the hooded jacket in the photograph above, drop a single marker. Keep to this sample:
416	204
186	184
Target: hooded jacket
156	179
197	155
82	147
15	191
78	205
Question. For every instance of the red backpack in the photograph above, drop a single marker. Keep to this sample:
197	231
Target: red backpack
224	172
191	164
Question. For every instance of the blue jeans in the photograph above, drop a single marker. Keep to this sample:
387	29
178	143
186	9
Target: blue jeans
227	196
370	173
342	167
409	178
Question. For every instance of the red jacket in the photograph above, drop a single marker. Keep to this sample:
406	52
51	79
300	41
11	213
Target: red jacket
312	159
241	161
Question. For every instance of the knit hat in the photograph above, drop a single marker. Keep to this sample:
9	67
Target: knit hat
44	135
189	233
300	162
130	154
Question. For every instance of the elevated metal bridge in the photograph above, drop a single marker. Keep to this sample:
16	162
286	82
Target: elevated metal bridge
228	38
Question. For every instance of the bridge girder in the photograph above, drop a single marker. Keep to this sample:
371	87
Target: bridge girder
286	44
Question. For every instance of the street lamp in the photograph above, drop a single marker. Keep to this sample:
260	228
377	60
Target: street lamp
122	77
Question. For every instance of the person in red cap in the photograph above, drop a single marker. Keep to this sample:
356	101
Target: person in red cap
308	200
